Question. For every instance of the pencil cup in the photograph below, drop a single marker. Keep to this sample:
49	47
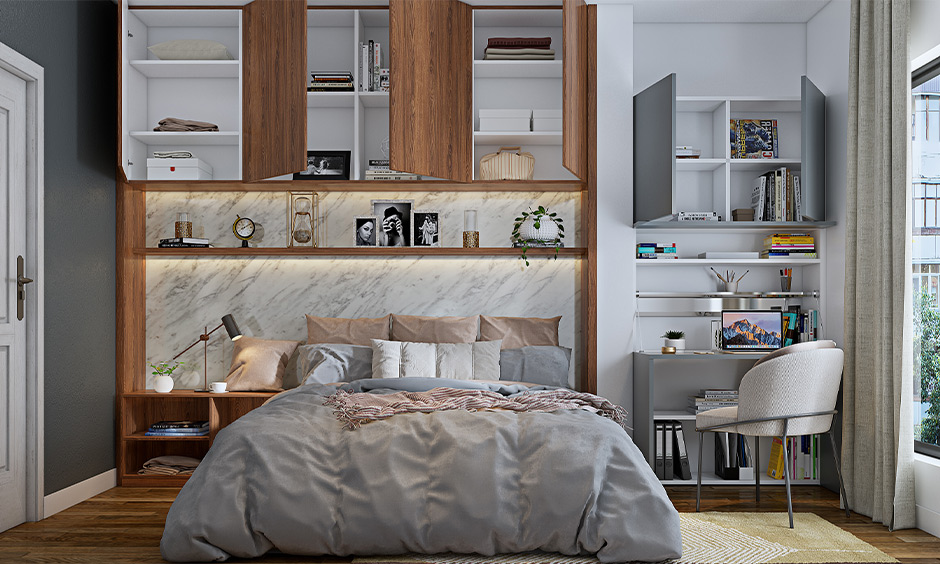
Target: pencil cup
728	286
785	283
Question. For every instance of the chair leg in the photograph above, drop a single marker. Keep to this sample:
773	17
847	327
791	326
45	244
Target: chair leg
835	454
698	487
786	472
755	463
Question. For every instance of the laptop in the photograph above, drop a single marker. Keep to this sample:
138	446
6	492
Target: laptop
751	330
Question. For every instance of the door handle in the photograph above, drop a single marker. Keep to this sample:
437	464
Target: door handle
21	282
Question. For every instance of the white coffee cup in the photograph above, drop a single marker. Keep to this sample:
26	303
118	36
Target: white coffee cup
218	387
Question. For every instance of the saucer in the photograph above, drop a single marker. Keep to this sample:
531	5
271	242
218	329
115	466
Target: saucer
222	392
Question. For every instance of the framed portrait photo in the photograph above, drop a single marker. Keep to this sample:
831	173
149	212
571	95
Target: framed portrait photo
394	227
366	230
426	227
325	165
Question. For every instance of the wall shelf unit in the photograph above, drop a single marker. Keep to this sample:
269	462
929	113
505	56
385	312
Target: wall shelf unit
364	186
377	252
732	226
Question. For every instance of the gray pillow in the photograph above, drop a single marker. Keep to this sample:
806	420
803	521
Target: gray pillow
546	365
326	363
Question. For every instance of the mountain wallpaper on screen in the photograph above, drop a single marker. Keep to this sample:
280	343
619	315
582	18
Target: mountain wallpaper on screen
745	333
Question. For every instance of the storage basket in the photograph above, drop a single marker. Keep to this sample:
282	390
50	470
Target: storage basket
508	163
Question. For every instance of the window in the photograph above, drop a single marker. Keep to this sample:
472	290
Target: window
925	184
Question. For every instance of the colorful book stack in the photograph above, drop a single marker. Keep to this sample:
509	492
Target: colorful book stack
372	76
789	245
656	251
800	326
777	196
712	399
183	242
330	81
804	458
178	429
754	139
378	170
519	49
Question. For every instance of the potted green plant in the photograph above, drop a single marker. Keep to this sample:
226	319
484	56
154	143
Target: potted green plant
675	339
163	375
537	228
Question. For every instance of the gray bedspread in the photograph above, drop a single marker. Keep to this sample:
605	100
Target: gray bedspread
288	477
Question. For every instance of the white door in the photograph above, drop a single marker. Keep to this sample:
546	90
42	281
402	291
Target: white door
12	329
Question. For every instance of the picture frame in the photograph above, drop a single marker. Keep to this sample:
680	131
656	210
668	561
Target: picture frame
362	239
426	228
325	165
400	234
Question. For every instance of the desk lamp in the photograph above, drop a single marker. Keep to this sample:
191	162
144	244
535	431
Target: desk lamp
234	333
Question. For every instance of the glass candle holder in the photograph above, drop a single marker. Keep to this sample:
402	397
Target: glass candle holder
471	237
184	227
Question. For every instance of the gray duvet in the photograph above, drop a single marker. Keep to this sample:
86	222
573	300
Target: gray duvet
289	477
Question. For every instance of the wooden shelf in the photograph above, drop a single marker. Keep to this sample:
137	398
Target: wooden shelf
187	69
186	137
517	137
720	295
731	226
517	69
194	393
356	252
153	480
360	186
142	437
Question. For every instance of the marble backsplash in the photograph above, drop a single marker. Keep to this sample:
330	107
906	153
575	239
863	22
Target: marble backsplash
268	296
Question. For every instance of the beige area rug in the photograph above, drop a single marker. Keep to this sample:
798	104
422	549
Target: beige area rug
712	538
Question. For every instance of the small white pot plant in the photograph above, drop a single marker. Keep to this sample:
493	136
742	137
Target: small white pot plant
163	375
675	339
537	228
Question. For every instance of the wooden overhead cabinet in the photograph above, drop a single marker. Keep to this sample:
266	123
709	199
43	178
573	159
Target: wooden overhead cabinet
431	105
574	84
275	88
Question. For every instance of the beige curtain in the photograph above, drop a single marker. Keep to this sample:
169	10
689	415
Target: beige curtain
878	444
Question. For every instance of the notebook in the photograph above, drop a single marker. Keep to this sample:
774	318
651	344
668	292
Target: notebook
750	331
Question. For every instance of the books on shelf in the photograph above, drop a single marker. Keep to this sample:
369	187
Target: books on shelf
373	77
698	216
330	81
708	399
754	139
776	196
789	245
178	429
184	242
378	169
803	453
656	251
686	152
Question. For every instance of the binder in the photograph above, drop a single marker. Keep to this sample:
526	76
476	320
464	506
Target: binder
726	461
668	438
660	449
681	467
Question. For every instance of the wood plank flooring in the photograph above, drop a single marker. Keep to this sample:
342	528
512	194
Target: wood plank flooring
124	526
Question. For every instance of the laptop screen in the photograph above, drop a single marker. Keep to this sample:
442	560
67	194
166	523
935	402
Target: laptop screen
751	330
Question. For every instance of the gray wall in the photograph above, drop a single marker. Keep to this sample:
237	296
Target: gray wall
74	41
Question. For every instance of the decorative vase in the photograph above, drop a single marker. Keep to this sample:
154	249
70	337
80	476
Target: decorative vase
163	384
679	344
547	231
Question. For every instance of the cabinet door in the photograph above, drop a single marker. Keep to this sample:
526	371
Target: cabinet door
654	150
274	136
813	148
574	80
431	105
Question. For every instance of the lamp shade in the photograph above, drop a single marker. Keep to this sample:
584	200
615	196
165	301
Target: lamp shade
234	333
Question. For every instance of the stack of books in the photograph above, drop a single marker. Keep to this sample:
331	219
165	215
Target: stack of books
754	139
331	81
378	170
373	77
178	429
519	49
789	245
697	216
686	152
656	251
184	242
777	196
712	399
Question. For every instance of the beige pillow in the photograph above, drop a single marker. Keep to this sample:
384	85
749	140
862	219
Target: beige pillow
453	361
519	332
420	329
258	364
339	331
190	50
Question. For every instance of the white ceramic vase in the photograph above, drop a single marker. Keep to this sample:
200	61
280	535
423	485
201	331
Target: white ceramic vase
547	230
163	384
678	343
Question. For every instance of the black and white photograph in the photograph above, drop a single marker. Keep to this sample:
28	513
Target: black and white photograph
365	230
427	228
325	165
394	222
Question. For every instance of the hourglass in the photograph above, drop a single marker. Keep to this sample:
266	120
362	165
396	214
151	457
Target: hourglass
303	222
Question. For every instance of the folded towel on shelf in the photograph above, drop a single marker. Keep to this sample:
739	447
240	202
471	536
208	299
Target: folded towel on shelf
177	124
172	155
170	465
519	42
526	51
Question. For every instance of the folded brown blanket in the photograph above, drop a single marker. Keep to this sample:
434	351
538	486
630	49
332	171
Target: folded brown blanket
519	42
355	409
170	465
177	124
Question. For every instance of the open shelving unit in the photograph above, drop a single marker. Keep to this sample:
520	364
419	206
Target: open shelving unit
359	252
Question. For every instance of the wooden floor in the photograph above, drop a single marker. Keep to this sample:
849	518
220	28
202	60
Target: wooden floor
124	525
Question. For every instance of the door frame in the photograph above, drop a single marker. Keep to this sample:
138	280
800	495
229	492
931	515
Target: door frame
33	74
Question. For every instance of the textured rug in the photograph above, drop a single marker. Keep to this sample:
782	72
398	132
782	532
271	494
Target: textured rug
711	538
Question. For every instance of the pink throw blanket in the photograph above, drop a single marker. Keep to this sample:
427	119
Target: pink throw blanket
355	409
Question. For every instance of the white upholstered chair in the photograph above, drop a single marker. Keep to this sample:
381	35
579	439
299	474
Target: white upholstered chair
790	392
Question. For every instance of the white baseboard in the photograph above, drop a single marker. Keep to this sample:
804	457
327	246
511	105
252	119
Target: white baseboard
65	498
928	520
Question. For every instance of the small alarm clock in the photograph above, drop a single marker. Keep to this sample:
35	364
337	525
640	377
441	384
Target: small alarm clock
244	229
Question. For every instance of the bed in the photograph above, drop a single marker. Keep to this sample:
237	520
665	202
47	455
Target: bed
293	477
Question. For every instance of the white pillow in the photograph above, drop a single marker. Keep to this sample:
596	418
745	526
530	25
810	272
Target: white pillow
454	361
190	49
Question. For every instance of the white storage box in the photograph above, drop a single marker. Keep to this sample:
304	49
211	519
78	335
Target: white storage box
178	169
546	120
505	120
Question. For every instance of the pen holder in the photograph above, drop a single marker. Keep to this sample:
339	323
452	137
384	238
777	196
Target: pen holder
785	282
728	286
